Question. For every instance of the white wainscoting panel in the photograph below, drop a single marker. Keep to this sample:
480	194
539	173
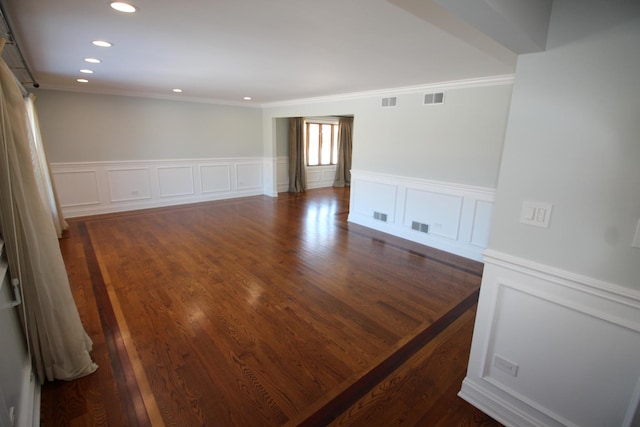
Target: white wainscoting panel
77	187
175	181
282	174
249	176
458	216
369	197
573	340
481	223
127	184
215	178
441	211
90	188
317	176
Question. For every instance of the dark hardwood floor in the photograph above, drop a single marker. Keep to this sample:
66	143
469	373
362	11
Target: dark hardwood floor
265	312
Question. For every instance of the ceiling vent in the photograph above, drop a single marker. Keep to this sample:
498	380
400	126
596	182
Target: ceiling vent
434	98
389	102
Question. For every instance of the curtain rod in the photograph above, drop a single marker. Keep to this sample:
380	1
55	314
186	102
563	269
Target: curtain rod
11	40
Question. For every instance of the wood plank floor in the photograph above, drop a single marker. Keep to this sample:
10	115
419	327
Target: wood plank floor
264	312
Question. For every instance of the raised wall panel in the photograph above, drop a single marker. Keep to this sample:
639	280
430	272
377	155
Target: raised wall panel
317	176
129	184
329	175
215	178
282	174
320	176
481	223
451	211
249	176
372	196
440	211
575	342
77	188
313	176
175	181
153	183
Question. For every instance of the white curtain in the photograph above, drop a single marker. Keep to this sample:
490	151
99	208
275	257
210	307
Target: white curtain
41	168
57	341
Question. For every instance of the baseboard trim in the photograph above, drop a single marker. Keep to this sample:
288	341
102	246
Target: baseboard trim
457	216
496	407
453	247
93	188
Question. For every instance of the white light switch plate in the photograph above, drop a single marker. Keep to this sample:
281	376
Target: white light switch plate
536	213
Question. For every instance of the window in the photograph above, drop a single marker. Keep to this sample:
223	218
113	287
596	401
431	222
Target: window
322	143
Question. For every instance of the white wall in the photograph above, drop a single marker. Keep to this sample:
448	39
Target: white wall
459	141
19	391
113	153
572	141
433	163
561	305
80	127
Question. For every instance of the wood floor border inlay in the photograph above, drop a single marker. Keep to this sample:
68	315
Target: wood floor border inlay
331	409
133	387
124	373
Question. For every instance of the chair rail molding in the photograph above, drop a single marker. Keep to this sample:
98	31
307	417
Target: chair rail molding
570	344
452	217
89	188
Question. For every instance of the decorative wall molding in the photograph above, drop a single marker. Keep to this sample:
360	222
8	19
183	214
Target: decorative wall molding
574	342
317	176
458	216
453	84
89	188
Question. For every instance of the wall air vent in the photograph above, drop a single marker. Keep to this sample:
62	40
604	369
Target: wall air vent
389	102
434	98
418	226
380	216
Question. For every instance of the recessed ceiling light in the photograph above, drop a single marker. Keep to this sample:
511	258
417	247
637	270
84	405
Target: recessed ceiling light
92	60
177	90
102	43
247	98
86	71
82	80
123	7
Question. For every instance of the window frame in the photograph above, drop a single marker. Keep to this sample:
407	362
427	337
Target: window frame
333	141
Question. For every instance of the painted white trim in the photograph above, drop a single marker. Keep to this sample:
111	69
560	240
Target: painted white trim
398	196
448	85
245	176
444	186
144	95
571	299
498	408
590	285
317	176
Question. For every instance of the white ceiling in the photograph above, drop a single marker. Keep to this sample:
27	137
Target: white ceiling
277	50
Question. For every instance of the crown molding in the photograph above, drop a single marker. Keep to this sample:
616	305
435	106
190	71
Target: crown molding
167	97
448	85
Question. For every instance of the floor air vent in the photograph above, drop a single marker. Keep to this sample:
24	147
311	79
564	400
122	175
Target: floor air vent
418	226
380	216
434	98
389	102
